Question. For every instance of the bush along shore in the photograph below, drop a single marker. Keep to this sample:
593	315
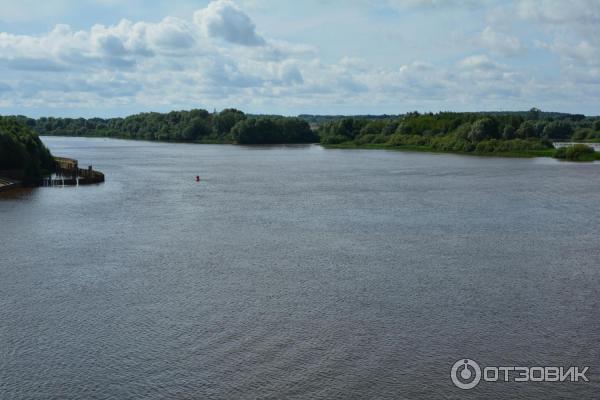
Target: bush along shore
577	152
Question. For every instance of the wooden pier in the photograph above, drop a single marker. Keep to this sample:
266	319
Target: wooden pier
68	173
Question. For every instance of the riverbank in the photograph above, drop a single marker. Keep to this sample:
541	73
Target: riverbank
136	139
501	135
66	173
8	184
428	149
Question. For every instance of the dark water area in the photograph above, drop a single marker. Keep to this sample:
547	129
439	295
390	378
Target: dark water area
297	272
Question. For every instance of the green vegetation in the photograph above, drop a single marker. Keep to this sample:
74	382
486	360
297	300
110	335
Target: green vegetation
577	152
22	149
317	120
516	134
508	134
227	126
269	130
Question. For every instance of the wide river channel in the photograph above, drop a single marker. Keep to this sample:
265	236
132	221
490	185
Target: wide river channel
297	272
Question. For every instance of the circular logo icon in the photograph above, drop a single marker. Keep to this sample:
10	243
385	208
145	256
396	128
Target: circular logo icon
465	374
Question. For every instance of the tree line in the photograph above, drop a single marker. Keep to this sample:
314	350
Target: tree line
527	133
227	126
464	132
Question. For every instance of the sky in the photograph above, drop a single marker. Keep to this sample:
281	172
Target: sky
110	58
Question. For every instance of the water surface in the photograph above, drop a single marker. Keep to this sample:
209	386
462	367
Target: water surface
296	272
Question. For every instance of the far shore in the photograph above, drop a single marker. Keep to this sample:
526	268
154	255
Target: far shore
548	153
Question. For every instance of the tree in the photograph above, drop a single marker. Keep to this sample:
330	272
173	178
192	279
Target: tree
22	149
390	127
534	114
226	119
373	128
273	130
526	130
558	130
198	128
508	132
482	129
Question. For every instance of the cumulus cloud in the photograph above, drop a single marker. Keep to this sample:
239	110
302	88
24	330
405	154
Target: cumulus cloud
582	52
118	46
289	73
572	12
438	3
217	58
223	19
481	63
501	43
572	27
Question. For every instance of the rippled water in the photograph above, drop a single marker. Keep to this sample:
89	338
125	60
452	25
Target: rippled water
296	272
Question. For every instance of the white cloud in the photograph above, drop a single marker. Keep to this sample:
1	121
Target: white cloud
25	10
119	46
223	19
480	63
438	3
172	33
570	12
501	43
289	73
582	52
217	58
572	28
151	63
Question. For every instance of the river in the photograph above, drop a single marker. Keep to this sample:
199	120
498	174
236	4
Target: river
297	272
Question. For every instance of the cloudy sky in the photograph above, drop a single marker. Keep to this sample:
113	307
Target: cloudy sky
116	57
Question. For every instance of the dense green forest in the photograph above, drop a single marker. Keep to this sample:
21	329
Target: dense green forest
530	133
22	149
227	126
317	120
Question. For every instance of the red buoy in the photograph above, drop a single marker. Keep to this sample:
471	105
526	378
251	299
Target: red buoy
197	178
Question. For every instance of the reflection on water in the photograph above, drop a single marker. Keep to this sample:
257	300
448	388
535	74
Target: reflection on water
296	272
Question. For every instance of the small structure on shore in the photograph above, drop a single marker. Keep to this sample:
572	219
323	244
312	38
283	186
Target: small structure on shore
7	184
68	173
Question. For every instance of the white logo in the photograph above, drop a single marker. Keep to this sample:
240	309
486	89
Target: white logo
465	374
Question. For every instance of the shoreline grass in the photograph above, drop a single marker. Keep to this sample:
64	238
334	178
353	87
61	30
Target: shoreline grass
428	149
